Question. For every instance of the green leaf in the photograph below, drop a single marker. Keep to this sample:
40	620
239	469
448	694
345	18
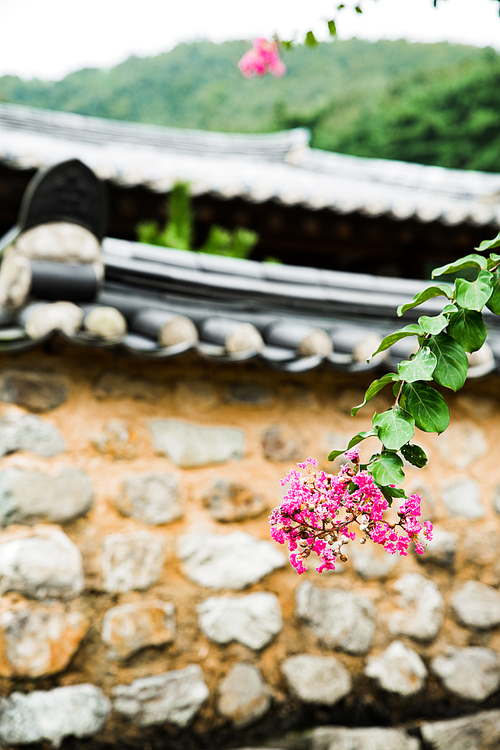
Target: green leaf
387	469
391	492
415	455
473	295
354	441
341	6
358	9
468	328
420	367
473	260
373	389
427	406
434	324
288	45
332	28
452	365
489	244
449	309
412	330
493	303
438	290
493	261
395	427
310	40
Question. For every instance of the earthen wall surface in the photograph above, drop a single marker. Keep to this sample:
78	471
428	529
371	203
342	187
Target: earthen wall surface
134	546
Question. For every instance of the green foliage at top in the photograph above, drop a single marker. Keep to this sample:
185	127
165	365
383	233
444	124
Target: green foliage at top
345	91
446	117
178	231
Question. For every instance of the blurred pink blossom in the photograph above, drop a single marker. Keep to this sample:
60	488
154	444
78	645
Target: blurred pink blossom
261	59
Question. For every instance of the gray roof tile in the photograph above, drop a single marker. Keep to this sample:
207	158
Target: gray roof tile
257	168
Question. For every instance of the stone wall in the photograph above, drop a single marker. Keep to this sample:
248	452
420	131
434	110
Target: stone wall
140	593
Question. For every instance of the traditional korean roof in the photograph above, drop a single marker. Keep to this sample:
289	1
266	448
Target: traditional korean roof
278	167
226	310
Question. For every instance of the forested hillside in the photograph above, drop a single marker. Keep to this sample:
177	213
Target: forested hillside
432	103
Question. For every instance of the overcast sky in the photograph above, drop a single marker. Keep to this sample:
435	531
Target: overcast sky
50	38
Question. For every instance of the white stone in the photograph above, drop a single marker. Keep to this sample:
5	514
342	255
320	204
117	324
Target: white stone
26	432
462	499
462	444
253	620
60	241
317	679
128	628
371	563
230	561
45	565
369	738
189	445
339	618
420	608
37	639
476	732
75	710
441	549
132	561
26	496
151	497
476	605
398	669
471	673
172	697
243	695
54	316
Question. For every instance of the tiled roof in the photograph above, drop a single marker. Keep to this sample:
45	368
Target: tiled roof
257	168
230	310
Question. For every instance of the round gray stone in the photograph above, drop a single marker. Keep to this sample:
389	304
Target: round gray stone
132	561
441	550
231	561
369	738
115	441
253	620
35	391
462	444
128	628
462	499
75	710
398	669
172	697
339	618
152	498
281	444
243	695
28	496
476	605
43	566
419	609
471	673
25	432
479	731
228	501
317	679
371	563
189	445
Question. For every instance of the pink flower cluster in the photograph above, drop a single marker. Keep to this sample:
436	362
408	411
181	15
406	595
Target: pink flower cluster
261	59
321	513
